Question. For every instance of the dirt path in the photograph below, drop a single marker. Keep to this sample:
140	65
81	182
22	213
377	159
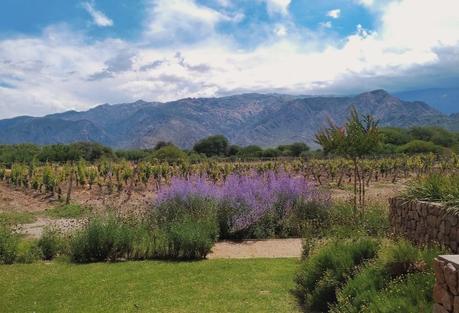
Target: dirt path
273	248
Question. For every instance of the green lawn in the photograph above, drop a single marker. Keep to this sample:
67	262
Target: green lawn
259	285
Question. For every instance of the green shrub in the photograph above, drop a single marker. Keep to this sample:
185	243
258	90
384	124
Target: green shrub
435	187
190	226
8	245
411	293
395	260
101	239
328	268
342	222
50	243
28	252
419	146
190	239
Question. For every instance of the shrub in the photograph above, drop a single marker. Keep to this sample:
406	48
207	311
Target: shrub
342	222
8	245
419	146
102	239
253	205
412	293
50	243
28	252
328	268
395	260
436	188
189	225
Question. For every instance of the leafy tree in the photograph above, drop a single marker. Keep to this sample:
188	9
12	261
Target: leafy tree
170	153
212	146
359	137
419	146
250	151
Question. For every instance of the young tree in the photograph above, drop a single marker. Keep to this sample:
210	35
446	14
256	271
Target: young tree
359	137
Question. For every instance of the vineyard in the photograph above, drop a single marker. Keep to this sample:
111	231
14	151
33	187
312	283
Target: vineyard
111	177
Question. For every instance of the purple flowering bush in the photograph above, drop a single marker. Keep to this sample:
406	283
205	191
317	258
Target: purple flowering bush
251	206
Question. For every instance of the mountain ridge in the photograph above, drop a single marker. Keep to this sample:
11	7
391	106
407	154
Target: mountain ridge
251	118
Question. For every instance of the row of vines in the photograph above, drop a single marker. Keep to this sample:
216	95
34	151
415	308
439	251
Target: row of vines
107	176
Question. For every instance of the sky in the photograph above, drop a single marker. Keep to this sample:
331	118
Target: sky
58	55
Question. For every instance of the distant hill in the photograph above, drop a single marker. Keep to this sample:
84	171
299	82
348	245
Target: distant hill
445	100
262	119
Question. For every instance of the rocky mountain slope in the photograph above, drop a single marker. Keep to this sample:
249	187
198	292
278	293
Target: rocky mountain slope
262	119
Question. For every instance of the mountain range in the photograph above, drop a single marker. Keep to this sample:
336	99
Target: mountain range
261	119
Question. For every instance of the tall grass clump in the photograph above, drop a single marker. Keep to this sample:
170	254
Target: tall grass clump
102	239
442	188
327	269
189	225
8	245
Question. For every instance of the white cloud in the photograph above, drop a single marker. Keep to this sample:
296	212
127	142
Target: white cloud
336	13
98	17
178	20
62	70
277	6
327	24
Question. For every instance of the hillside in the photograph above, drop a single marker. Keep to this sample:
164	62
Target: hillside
263	119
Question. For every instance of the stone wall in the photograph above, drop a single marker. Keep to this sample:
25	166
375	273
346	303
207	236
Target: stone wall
446	290
424	222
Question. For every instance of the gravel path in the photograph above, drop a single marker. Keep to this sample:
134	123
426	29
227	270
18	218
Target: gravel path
273	248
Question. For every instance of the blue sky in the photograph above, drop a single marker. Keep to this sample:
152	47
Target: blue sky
57	55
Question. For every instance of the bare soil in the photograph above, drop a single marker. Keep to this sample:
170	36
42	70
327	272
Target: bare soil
273	248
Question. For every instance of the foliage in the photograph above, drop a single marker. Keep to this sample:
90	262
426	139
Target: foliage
435	188
251	206
395	260
328	268
212	146
189	224
357	138
28	252
50	243
8	245
169	153
419	146
102	239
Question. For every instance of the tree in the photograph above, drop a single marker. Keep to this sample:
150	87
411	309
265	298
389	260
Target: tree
212	146
359	137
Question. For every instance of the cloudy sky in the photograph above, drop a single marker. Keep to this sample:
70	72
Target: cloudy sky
57	55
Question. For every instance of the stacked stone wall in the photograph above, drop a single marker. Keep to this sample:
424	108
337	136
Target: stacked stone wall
446	289
424	222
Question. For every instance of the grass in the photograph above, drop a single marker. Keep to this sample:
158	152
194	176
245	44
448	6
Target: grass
15	218
258	285
68	211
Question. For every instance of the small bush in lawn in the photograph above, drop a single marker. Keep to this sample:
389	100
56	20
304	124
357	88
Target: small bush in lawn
28	252
328	268
395	260
50	243
102	239
8	245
